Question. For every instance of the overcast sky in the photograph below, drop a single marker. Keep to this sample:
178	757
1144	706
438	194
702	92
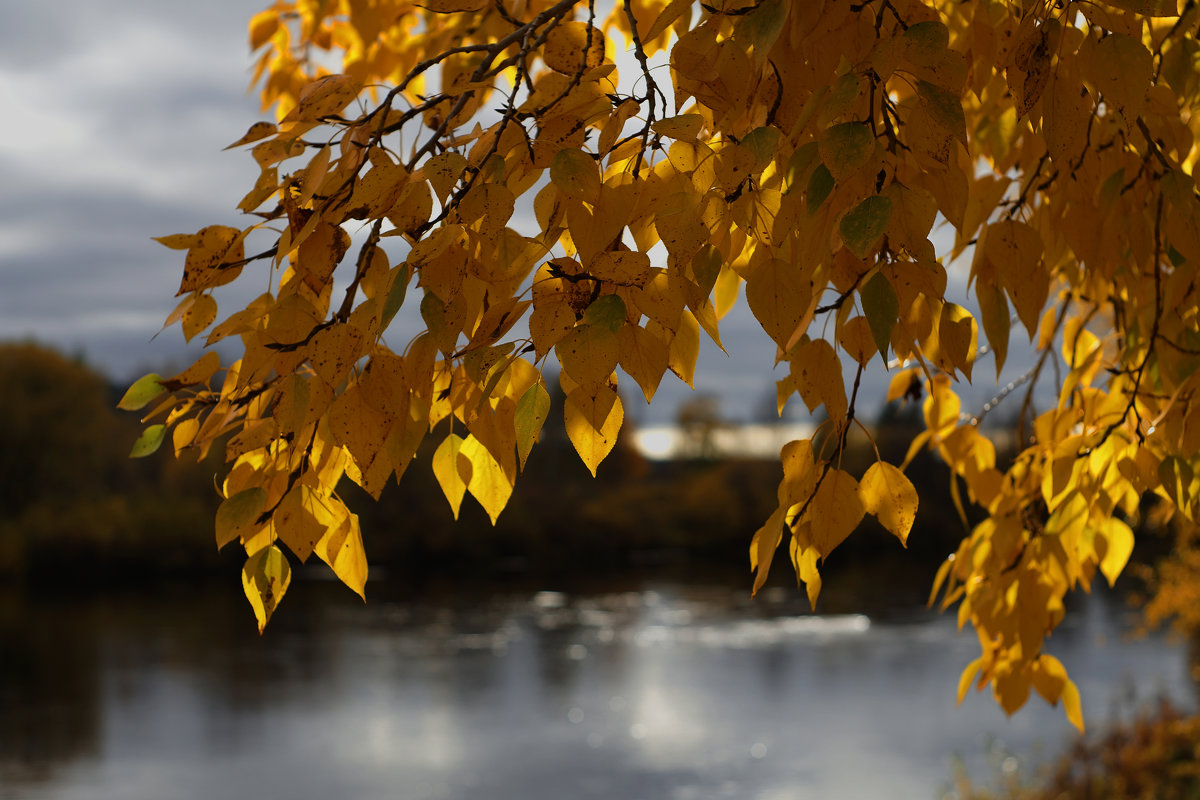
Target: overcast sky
116	113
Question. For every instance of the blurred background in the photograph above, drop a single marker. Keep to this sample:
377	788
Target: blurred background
599	642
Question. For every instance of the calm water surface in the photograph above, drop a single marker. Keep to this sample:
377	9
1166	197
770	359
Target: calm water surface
653	690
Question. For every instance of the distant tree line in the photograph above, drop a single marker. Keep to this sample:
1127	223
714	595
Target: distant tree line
72	499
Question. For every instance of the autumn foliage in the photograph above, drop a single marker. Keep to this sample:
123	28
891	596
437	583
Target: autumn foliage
601	183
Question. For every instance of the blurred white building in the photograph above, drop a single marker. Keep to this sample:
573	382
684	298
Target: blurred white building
668	442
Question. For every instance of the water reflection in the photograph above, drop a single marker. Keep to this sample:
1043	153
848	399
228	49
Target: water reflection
679	691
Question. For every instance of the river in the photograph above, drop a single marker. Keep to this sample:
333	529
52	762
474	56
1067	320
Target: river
657	689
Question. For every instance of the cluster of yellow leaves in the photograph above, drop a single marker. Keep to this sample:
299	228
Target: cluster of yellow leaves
491	158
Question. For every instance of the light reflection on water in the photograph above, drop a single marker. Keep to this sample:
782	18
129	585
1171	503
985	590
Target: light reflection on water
674	692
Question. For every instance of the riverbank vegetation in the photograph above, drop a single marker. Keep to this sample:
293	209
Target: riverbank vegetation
1153	757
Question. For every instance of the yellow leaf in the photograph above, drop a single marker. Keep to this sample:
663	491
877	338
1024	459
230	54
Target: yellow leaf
238	514
342	549
856	338
662	298
443	171
968	675
804	561
210	258
1121	68
325	97
593	420
835	511
549	322
184	434
780	297
887	493
763	545
178	241
615	125
204	368
1016	249
588	354
800	473
412	208
734	164
257	131
673	11
302	519
1049	678
488	483
262	27
378	191
448	468
334	351
818	374
685	348
644	356
621	267
573	47
941	407
313	174
1072	705
957	338
266	576
685	127
1118	539
1011	688
679	224
199	315
532	410
905	383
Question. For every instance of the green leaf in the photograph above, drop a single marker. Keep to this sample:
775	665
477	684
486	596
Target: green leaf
846	148
842	96
395	298
882	309
761	27
993	308
606	312
706	267
926	41
143	390
800	166
265	577
865	223
532	410
945	108
575	173
237	513
762	142
148	442
819	187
